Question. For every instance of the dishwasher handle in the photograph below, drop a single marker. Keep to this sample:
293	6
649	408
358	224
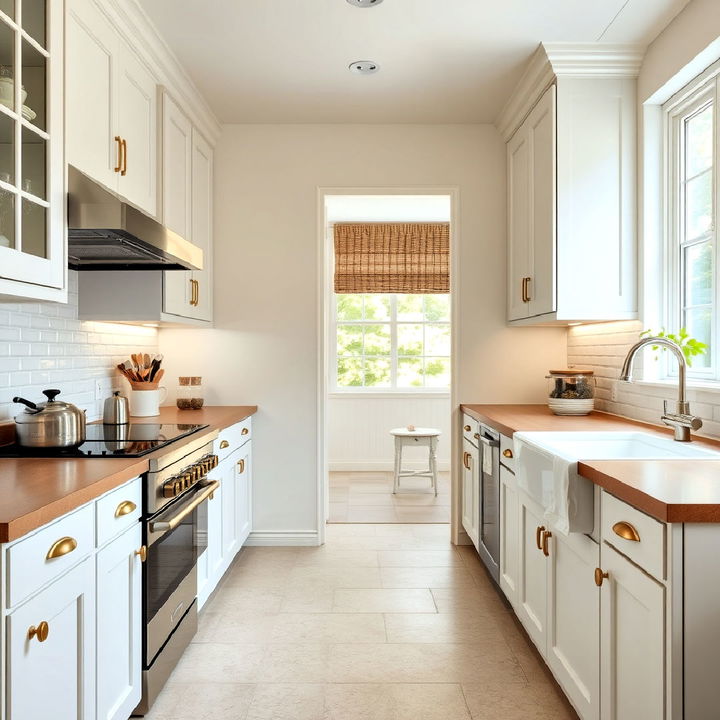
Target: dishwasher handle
490	442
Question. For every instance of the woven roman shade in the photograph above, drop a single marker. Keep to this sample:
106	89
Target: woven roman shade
392	258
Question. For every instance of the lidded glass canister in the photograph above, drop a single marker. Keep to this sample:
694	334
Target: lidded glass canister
571	391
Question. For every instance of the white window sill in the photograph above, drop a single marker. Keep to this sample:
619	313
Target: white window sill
712	386
400	394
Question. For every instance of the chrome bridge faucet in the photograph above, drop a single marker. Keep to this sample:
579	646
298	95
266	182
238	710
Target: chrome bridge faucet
681	420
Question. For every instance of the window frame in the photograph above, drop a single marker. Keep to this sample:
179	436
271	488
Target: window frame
689	101
393	322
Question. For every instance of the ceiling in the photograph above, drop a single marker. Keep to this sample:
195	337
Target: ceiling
441	61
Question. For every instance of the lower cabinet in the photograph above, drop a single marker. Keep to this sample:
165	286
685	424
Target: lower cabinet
119	626
210	562
471	491
243	492
50	650
509	536
633	644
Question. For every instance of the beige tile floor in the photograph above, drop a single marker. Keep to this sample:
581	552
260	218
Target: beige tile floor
363	497
384	622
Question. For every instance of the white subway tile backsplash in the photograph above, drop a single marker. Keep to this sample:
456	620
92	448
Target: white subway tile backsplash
45	345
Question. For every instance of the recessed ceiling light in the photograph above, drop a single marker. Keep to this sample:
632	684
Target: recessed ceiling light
364	3
364	67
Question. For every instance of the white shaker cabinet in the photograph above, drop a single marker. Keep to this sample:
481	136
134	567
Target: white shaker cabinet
51	651
570	129
509	536
111	107
119	625
471	491
243	492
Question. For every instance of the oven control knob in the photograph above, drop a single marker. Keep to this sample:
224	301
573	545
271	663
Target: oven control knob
186	480
195	474
169	488
213	461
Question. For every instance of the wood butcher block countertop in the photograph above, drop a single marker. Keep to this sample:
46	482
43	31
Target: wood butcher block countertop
669	490
34	492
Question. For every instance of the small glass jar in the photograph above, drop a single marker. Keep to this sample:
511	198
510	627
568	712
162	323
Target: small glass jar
197	394
184	394
571	392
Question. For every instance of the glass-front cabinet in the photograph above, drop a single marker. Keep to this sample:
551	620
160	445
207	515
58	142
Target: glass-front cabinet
32	195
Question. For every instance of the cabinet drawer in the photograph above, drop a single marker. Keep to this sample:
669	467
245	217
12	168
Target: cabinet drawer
647	550
507	453
471	429
118	510
28	564
231	438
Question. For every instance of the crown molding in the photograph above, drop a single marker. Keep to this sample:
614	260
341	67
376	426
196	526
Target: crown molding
141	34
553	60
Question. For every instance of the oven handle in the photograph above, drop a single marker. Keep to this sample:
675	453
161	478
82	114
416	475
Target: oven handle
199	499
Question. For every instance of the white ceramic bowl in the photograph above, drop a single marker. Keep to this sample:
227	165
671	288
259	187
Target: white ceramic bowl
7	91
566	406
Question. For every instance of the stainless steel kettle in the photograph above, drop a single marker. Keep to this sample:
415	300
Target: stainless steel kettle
52	424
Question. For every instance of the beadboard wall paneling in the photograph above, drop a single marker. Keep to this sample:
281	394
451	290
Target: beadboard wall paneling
44	345
359	430
602	347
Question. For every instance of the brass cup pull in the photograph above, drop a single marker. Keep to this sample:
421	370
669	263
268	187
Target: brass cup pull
467	428
241	466
547	534
142	553
538	536
123	172
40	632
245	431
118	140
224	444
600	576
466	460
626	531
61	547
125	508
507	453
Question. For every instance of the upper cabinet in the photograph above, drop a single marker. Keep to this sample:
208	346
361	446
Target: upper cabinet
570	129
111	106
32	190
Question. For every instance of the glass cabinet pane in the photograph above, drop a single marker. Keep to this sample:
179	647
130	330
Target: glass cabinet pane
7	219
7	149
8	7
34	228
34	73
34	163
33	20
7	66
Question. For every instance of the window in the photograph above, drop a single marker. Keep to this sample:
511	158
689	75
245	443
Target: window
691	236
392	342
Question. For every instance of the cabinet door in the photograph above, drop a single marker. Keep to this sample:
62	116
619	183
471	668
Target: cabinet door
518	188
229	511
470	509
541	137
531	607
632	673
90	74
210	562
573	620
509	536
137	126
243	492
55	678
177	189
202	208
119	626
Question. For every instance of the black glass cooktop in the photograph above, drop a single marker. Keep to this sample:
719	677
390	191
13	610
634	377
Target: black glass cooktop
131	440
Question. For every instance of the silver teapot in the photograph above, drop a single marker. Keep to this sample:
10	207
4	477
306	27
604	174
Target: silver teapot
51	424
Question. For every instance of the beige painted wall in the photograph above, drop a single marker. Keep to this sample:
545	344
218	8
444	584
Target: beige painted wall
264	346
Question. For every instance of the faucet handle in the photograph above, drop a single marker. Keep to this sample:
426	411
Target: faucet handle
665	407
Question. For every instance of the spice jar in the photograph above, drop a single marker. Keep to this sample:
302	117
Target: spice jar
571	392
197	396
184	394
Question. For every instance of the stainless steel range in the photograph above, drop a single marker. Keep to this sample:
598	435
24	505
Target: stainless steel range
174	533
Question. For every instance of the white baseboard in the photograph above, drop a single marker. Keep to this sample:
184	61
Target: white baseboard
382	466
283	539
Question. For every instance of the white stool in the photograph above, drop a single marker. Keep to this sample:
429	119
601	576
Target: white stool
427	437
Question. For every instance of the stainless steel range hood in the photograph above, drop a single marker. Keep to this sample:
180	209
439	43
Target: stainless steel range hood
105	233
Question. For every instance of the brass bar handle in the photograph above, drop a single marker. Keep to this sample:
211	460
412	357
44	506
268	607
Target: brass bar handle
118	140
245	431
200	498
41	631
192	292
508	453
547	534
538	536
527	289
61	547
125	508
142	553
522	290
467	428
123	172
626	531
241	466
600	576
224	444
195	292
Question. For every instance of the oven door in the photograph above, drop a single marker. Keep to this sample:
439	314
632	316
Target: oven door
176	537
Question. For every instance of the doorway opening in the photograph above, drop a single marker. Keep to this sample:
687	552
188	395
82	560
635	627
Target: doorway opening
387	365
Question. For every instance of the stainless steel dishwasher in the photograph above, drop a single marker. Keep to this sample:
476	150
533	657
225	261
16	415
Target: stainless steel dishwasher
489	530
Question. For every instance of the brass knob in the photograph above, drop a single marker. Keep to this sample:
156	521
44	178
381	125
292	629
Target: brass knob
125	508
538	536
467	428
600	576
142	553
626	531
547	534
40	632
507	453
224	444
245	431
214	459
168	489
241	466
186	480
61	547
477	436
